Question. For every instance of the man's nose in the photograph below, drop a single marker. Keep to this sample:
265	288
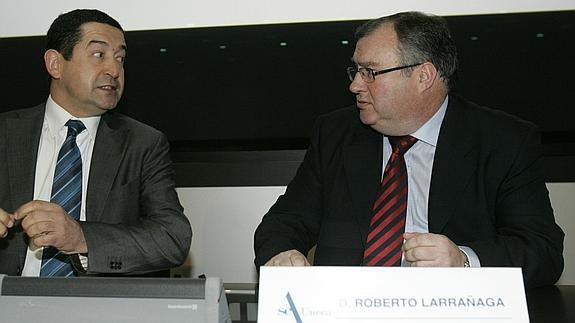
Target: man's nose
357	85
114	68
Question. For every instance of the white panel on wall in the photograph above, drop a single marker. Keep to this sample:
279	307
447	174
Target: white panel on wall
29	17
563	201
223	222
225	218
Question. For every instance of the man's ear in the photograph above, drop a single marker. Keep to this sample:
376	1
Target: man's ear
427	76
53	62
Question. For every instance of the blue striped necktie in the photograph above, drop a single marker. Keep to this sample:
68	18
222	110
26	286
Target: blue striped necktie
66	192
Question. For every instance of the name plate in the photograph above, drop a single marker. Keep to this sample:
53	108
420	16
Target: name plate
391	294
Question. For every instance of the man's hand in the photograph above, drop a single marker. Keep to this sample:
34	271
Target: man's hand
432	250
288	258
6	222
47	224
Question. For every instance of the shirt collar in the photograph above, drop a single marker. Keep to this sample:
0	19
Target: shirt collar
56	117
429	132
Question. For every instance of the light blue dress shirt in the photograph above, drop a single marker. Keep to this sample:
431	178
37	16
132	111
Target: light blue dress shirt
419	163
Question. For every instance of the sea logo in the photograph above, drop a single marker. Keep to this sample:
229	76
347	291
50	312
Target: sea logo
283	311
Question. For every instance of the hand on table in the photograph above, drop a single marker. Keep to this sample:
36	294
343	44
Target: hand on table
432	250
288	258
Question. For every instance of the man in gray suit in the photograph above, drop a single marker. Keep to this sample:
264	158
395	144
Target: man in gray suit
130	221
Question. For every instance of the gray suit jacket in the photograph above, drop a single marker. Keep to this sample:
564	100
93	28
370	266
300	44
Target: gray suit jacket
134	221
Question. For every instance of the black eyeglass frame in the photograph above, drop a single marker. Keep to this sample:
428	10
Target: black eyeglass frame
351	71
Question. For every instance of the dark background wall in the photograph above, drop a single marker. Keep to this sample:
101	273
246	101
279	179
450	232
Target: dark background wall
238	95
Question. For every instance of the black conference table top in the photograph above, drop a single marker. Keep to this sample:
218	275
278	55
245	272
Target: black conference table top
551	304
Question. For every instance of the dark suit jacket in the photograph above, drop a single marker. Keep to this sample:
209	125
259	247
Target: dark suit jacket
134	221
487	192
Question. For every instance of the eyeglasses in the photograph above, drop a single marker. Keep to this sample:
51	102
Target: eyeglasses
368	75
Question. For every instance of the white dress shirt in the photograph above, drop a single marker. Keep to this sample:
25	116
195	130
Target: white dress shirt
419	163
52	137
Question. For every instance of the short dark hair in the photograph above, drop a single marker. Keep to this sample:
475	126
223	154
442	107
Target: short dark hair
65	32
422	38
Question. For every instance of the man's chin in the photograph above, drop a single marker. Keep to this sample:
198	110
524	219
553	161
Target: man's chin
367	118
103	108
108	104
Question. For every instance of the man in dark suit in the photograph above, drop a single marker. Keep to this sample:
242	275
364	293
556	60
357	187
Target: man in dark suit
476	195
129	220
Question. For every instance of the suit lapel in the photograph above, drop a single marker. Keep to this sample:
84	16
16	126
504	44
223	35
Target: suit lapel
362	164
23	139
453	165
109	150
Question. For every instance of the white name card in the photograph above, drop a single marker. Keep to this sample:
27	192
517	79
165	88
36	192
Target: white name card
391	294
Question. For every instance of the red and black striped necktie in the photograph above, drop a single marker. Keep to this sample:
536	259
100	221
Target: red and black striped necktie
386	228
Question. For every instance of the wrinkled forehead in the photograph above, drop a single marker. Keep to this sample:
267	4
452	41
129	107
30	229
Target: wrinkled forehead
378	48
99	33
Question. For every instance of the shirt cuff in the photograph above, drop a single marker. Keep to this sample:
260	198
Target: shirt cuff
84	262
471	256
